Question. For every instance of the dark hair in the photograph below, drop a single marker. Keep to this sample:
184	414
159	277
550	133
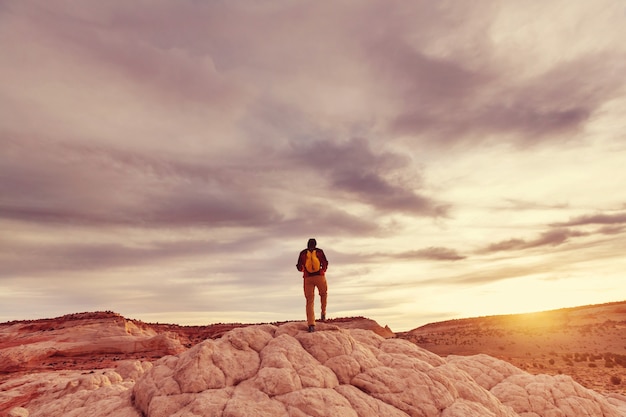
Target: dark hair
312	243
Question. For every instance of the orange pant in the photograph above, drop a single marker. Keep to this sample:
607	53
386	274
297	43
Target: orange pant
310	283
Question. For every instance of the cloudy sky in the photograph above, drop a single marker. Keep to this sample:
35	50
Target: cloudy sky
168	159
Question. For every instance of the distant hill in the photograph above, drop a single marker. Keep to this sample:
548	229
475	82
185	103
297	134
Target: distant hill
587	342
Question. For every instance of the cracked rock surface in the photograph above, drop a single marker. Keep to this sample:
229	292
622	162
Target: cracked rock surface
285	371
268	370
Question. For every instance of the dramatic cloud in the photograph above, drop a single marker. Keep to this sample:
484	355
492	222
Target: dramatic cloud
353	169
169	159
432	253
599	218
550	238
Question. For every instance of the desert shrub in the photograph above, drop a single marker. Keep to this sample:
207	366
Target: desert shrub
580	357
609	323
616	380
620	360
593	365
609	363
551	361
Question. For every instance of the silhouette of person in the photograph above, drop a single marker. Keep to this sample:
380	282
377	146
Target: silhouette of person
313	264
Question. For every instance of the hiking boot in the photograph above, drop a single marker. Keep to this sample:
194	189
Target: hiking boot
323	317
311	329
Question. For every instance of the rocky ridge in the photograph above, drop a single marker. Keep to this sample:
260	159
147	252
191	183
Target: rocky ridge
95	340
282	370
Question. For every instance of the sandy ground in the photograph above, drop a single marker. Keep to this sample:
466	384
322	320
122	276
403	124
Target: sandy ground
588	343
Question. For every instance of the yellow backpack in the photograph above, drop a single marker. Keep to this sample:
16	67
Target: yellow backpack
312	263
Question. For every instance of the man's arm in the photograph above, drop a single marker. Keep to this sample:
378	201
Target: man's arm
300	264
323	261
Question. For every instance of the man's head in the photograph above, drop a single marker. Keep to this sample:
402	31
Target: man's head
311	244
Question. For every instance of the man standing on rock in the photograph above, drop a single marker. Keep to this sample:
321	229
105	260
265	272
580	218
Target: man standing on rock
313	264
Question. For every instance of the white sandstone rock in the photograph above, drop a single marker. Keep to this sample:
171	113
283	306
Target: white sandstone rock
18	412
535	395
284	371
